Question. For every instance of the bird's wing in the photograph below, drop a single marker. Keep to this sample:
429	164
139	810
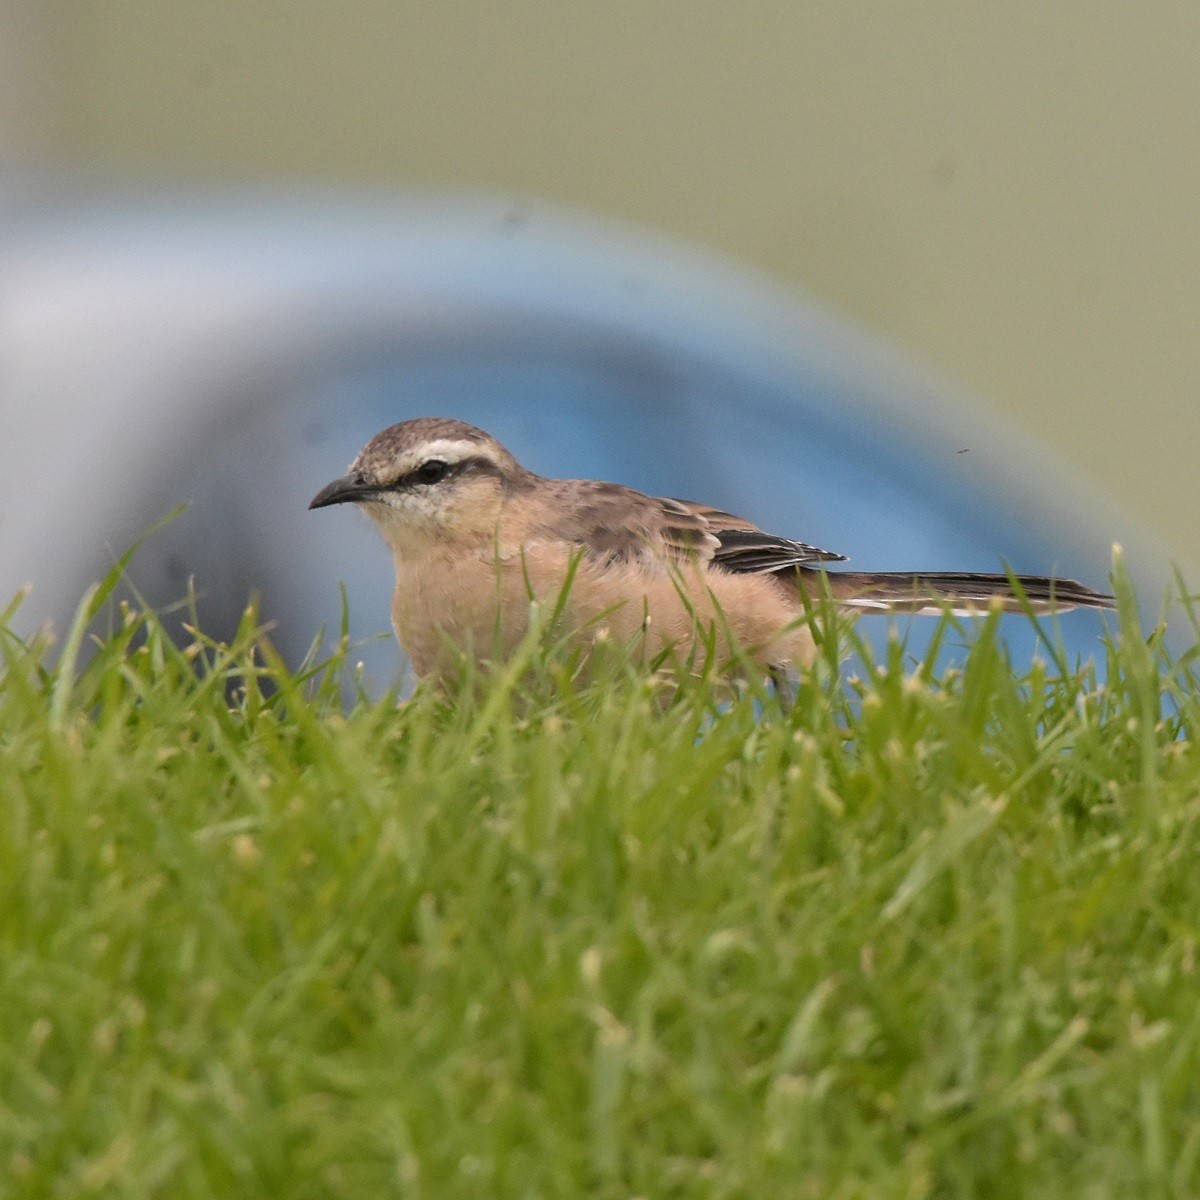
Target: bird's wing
616	523
745	549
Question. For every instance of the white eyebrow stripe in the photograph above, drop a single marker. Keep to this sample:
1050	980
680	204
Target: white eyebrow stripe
449	450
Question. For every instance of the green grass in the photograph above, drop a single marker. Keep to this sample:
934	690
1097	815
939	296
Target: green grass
927	936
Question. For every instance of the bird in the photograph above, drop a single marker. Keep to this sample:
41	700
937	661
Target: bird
478	540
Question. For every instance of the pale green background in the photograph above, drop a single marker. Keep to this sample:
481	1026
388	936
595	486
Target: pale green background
1011	191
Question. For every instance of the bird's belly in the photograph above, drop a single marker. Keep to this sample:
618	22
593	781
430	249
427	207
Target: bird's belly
481	606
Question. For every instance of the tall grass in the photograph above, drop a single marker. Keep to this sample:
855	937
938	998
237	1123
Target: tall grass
921	933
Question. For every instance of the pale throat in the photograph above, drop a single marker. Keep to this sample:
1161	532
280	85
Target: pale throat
440	536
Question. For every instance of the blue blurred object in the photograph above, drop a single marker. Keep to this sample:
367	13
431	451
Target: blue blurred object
235	352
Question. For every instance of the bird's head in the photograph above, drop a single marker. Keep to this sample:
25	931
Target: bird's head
429	482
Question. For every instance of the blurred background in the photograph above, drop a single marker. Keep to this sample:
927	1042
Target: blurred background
919	282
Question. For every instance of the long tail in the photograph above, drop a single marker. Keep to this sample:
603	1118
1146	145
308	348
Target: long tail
964	593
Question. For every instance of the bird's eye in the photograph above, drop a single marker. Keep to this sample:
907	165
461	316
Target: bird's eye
432	471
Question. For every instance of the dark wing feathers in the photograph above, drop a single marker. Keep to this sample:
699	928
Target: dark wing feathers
753	552
616	523
685	533
745	549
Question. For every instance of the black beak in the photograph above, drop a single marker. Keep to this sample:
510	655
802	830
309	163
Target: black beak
347	490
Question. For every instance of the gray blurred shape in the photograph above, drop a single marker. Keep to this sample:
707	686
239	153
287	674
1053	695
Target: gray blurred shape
233	352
